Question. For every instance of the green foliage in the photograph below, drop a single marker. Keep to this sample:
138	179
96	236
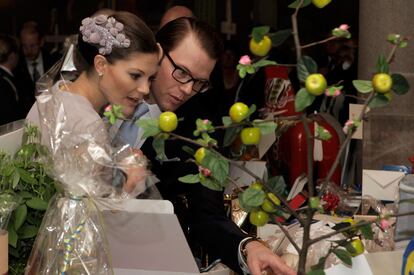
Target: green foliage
149	125
24	175
363	86
306	66
158	143
266	128
218	166
379	100
259	32
279	37
343	255
277	185
113	112
296	4
382	65
192	178
322	133
400	84
316	272
366	231
340	33
251	199
303	99
254	67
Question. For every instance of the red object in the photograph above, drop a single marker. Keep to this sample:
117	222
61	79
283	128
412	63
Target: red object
289	156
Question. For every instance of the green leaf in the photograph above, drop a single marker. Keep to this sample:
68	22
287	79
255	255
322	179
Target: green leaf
230	135
403	44
323	133
211	183
149	125
37	203
158	144
382	65
218	166
320	265
25	194
242	72
263	63
16	179
277	185
366	231
316	272
265	127
251	198
20	216
306	66
188	150
343	255
13	238
26	176
259	32
350	248
400	84
363	86
27	232
226	120
303	99
279	37
252	109
295	4
379	100
192	178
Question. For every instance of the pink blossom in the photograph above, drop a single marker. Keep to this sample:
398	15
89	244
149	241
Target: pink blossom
204	171
344	27
205	121
336	93
108	108
245	60
347	126
384	224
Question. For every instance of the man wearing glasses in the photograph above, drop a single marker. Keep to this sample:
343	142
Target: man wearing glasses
191	49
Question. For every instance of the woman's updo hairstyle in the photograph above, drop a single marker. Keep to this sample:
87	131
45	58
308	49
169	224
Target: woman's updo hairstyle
115	42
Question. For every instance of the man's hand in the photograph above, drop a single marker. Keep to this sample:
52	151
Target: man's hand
260	258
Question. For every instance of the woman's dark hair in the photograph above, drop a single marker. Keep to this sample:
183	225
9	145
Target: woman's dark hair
171	34
8	45
141	37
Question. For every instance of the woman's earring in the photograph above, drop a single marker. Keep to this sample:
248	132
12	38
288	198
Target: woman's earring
100	74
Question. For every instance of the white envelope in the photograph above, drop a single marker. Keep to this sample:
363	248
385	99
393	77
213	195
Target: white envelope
382	185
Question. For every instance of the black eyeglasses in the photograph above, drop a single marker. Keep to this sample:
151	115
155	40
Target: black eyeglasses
182	76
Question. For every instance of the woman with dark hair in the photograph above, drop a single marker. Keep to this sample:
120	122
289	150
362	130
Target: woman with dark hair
117	58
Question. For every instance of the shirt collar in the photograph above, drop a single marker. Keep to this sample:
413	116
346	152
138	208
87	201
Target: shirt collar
7	70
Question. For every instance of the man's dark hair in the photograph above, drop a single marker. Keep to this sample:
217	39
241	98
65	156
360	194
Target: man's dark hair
8	45
171	34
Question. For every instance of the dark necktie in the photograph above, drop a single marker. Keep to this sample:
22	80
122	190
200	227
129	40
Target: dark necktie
128	132
36	73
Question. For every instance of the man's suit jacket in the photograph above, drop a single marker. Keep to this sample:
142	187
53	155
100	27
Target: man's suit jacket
23	76
10	110
201	210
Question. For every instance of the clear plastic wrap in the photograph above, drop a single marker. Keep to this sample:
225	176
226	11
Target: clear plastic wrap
71	239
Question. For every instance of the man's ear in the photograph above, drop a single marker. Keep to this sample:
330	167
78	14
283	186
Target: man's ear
101	64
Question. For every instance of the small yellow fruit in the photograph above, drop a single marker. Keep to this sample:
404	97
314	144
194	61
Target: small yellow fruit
316	84
258	218
262	48
168	121
269	203
250	136
382	83
199	155
273	198
321	3
256	185
358	246
238	112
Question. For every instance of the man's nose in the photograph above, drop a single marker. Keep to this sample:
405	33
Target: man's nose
187	88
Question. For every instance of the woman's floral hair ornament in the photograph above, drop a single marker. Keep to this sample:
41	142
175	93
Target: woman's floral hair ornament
105	32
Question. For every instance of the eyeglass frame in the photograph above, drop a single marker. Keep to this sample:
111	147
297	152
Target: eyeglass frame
191	78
